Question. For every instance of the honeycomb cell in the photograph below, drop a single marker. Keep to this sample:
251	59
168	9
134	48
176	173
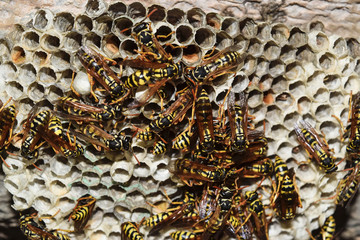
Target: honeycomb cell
196	17
43	20
91	38
351	83
321	95
136	10
241	42
255	47
248	27
262	67
240	82
83	24
26	74
63	21
162	173
102	25
191	54
30	40
290	119
353	47
316	26
184	34
120	25
46	76
53	93
297	37
327	62
121	171
275	114
305	55
158	13
255	98
288	54
223	40
95	8
58	188
271	51
60	60
128	47
279	84
338	46
279	132
332	82
175	51
285	100
44	201
249	65
284	150
265	82
294	71
90	178
336	98
111	45
117	9
15	34
175	16
205	38
105	203
50	41
18	55
330	129
14	90
280	33
276	68
149	110
318	41
164	33
98	235
264	32
72	41
142	170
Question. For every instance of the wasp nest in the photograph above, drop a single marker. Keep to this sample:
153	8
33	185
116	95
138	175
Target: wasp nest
288	73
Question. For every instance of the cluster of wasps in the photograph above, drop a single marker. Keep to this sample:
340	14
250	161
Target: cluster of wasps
222	155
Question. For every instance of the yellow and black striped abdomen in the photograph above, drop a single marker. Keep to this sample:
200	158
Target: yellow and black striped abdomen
156	219
131	231
39	122
138	78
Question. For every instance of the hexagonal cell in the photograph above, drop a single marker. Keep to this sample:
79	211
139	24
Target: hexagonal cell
164	33
330	129
321	95
271	51
284	100
184	34
275	114
91	38
255	47
98	235
297	89
50	41
305	54
196	17
288	54
262	67
223	40
294	71
120	24
95	8
230	26
142	170
279	132
240	83
327	62
42	20
121	171
276	68
43	201
64	80
60	60
175	16
351	83
111	45
83	24
102	24
128	47
30	40
336	98
255	98
280	33
297	37
136	10
72	41
332	82
53	93
105	202
175	51
338	46
205	38
14	90
46	76
58	188
290	119
354	47
264	32
18	55
316	26
241	42
284	150
36	91
117	9
27	74
63	21
158	13
248	27
250	64
191	54
318	41
279	84
90	178
323	111
15	34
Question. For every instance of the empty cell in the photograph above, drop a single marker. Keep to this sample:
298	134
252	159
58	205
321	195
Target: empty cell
336	98
276	68
279	132
240	83
279	84
250	64
54	93
72	41
64	80
353	47
58	188
102	24
158	13
284	100
318	41
175	16
223	40
83	24
136	197
230	25
61	166
271	51
255	47
121	171
16	33
14	90
90	178
50	41
136	10
351	83
60	60
63	22
122	27
91	38
321	95
290	119
248	27
280	33
327	61
164	34
288	54
323	112
162	172
42	20
98	235
111	44
105	202
305	54
117	9
196	17
241	42
332	82
262	67
46	76
275	114
264	32
27	74
30	40
255	98
297	37
265	82
184	34
95	8
284	150
191	54
18	55
205	38
330	129
139	213
149	110
43	201
316	26
128	47
142	170
294	71
339	47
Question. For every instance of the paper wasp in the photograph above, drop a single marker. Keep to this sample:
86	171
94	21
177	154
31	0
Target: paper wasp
316	147
82	211
287	196
78	111
259	168
129	230
7	121
97	69
354	142
183	235
327	231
